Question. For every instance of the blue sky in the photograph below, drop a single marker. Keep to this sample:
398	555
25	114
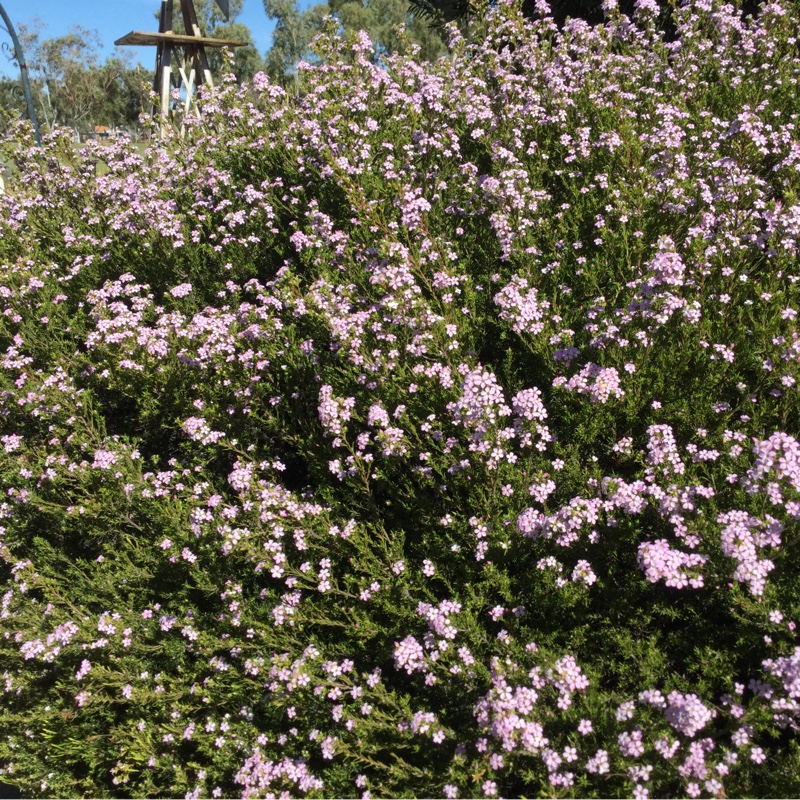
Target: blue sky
113	19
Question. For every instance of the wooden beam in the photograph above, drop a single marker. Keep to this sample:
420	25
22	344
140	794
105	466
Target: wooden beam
141	38
165	18
190	23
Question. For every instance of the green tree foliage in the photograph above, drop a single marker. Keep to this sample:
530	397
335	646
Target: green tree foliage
246	60
72	87
12	101
210	16
294	30
381	19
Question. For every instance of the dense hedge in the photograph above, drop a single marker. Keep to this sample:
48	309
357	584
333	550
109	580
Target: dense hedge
432	433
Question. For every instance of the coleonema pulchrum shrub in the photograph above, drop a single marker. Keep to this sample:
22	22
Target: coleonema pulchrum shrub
431	433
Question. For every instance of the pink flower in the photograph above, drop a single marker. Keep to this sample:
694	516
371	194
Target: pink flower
84	670
630	743
182	290
11	442
104	459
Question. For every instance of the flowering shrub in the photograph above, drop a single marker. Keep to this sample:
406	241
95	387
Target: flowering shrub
434	433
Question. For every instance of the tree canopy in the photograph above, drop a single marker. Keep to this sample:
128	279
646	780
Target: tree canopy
72	86
391	25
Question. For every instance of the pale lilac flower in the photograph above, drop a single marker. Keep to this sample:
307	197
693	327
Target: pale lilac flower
625	711
630	743
11	442
84	670
599	383
647	8
598	763
182	290
409	655
687	714
197	429
104	459
583	573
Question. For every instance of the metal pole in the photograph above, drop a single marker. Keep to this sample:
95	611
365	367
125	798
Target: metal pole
23	69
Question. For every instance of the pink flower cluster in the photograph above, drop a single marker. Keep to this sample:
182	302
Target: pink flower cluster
741	538
599	383
521	306
662	450
677	569
197	428
687	714
259	775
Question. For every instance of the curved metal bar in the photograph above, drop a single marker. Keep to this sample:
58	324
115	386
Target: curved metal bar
23	69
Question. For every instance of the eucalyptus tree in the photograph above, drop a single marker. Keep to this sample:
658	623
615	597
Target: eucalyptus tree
382	20
72	86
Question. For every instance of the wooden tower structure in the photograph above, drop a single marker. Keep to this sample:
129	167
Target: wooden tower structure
185	51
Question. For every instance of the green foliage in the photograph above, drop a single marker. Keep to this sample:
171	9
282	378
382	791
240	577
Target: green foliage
389	24
291	37
309	483
71	87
